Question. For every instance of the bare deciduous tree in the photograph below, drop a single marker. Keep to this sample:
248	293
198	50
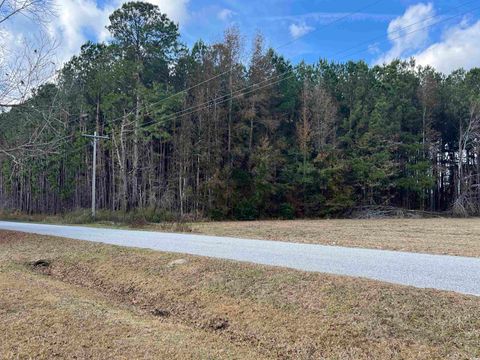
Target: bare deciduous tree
36	10
25	64
468	184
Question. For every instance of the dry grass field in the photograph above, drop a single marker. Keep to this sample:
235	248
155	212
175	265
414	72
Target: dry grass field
89	300
436	236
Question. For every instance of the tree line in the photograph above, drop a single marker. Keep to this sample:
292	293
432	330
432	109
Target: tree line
206	132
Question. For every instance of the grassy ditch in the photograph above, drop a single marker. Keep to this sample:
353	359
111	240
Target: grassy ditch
68	298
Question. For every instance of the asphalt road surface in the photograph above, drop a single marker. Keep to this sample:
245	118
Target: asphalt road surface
453	273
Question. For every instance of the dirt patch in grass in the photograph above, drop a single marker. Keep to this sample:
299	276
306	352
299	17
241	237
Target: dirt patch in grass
253	311
435	236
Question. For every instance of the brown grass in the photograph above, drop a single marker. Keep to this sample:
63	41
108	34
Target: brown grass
101	301
436	236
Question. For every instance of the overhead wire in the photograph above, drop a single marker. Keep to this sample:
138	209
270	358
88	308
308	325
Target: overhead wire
231	68
279	77
195	108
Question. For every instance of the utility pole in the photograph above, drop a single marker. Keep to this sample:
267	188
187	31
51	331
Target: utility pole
95	138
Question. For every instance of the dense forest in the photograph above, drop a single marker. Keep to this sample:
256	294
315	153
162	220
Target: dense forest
209	132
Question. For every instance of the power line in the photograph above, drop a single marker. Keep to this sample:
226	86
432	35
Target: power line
280	46
404	28
239	93
292	41
213	102
411	32
346	16
195	108
231	69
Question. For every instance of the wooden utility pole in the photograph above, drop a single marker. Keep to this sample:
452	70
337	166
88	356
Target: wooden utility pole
95	138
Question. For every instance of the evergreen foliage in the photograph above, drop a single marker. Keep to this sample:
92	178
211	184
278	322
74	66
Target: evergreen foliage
259	139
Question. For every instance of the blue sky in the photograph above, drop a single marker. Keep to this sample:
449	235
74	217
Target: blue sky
339	30
379	31
317	28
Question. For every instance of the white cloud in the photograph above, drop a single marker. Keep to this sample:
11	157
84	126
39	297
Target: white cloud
175	9
77	21
25	63
408	32
225	14
374	48
299	30
328	17
459	47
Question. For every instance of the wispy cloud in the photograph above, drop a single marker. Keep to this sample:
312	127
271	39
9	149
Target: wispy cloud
177	10
409	32
374	48
225	14
409	35
77	21
457	49
327	17
299	30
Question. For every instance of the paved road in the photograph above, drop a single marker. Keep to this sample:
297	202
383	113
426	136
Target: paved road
454	273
